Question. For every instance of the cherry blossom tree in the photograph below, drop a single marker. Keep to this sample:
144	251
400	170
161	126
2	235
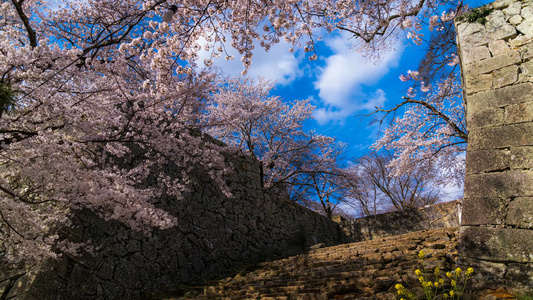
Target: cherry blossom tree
244	115
85	84
432	127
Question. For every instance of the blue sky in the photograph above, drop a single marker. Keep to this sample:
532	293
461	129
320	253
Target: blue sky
342	84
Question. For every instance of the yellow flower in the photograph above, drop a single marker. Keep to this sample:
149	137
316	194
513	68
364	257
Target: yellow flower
445	296
441	281
421	278
398	286
458	271
469	271
451	293
421	254
436	284
454	283
417	272
449	275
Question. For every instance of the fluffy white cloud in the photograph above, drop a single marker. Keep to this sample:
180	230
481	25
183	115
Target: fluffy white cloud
277	64
340	81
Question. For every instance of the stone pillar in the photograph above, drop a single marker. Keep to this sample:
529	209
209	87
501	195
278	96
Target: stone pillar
497	219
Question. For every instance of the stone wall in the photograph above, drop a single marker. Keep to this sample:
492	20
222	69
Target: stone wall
399	222
497	220
215	235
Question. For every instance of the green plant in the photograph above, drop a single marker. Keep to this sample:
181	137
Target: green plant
458	282
477	15
7	98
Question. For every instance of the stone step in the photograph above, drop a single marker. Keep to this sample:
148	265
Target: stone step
361	270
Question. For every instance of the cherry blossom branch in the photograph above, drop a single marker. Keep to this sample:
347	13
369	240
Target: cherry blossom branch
458	132
31	33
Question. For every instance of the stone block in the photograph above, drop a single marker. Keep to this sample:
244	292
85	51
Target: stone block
505	76
496	19
486	274
465	29
486	117
505	32
501	137
475	54
477	83
520	213
522	157
476	39
515	20
508	95
526	27
493	63
527	68
518	93
519	113
498	47
513	9
497	244
518	278
527	12
520	41
499	4
479	210
503	185
487	160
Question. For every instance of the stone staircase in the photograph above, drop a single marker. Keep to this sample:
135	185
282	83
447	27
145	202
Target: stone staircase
363	270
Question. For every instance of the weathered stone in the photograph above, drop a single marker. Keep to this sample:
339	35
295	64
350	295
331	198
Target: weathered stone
526	27
505	32
515	20
519	278
498	47
487	160
501	244
513	9
520	41
479	210
500	4
476	54
476	39
502	185
466	29
519	113
80	283
486	274
487	117
505	76
512	135
520	213
527	68
522	157
493	63
527	12
476	83
496	19
508	95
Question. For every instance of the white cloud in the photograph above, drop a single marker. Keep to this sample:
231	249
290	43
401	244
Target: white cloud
341	80
451	192
277	64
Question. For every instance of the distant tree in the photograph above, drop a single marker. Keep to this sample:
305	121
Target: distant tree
377	189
